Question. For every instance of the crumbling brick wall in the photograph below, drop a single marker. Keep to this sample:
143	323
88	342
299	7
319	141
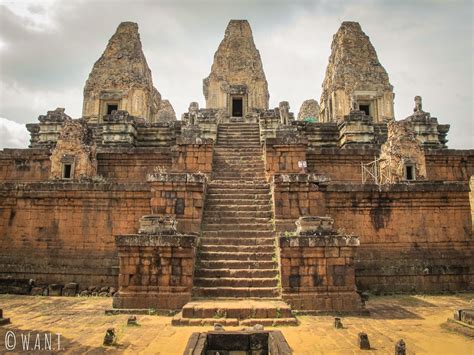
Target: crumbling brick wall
413	237
180	196
18	165
60	232
449	164
338	164
192	158
283	158
130	165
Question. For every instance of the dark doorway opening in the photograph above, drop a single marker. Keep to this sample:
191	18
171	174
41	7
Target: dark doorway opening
365	108
237	107
67	171
111	108
409	172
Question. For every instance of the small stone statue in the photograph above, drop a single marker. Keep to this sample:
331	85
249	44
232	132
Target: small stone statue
418	104
364	341
338	323
110	337
284	108
193	111
354	103
132	320
218	327
400	347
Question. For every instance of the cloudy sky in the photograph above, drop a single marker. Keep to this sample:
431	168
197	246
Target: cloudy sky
47	49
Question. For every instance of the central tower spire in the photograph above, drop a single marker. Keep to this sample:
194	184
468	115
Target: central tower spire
237	81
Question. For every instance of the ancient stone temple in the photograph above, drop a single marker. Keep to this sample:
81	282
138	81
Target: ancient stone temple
237	212
237	81
355	79
121	80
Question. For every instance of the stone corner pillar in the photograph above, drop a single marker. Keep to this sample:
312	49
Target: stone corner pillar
156	266
317	267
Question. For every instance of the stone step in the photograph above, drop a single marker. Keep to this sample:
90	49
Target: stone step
236	227
235	220
238	140
235	241
236	130
245	137
235	282
245	256
239	136
239	309
236	170
243	150
242	142
249	198
239	165
255	135
230	162
236	146
237	292
229	186
238	202
238	234
249	150
226	185
238	124
236	273
238	180
238	159
239	194
238	208
178	320
227	173
238	248
237	214
237	264
255	153
239	127
236	191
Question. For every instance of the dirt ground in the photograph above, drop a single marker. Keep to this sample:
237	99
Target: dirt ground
82	323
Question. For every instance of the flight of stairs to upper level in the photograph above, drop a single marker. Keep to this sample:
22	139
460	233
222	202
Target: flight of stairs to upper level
237	256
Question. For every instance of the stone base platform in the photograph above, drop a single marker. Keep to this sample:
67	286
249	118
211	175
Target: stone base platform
235	313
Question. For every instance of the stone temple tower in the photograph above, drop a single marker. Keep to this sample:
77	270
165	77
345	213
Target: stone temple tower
355	79
237	81
121	80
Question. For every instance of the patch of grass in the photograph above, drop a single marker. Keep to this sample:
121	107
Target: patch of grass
220	313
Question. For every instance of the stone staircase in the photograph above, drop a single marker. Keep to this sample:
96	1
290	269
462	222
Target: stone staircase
237	254
237	261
